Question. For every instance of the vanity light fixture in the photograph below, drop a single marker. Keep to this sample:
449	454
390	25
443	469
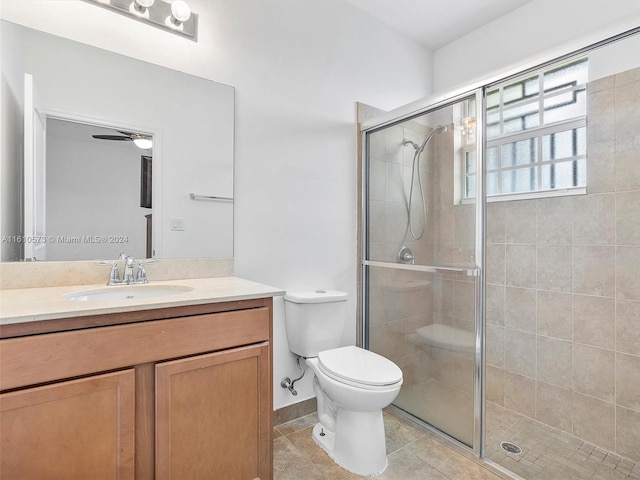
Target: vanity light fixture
175	17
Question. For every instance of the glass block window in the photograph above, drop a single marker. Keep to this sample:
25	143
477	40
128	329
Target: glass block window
536	133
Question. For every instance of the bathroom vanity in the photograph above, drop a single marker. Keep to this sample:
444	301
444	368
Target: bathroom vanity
178	386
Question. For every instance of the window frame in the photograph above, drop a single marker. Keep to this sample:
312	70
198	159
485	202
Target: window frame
536	134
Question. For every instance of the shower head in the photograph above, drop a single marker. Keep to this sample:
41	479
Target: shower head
438	130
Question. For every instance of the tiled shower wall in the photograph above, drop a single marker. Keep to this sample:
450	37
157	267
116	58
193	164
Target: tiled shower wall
563	288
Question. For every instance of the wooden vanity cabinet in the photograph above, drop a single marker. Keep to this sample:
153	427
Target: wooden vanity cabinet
181	397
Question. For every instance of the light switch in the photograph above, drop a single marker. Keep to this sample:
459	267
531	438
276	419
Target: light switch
177	224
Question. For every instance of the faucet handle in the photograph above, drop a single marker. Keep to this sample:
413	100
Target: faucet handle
114	275
141	276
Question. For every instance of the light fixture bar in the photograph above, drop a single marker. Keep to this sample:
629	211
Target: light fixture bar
158	14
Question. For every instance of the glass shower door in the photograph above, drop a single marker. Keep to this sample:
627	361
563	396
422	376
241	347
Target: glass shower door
421	263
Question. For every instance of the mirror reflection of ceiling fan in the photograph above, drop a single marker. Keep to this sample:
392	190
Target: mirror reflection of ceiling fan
144	142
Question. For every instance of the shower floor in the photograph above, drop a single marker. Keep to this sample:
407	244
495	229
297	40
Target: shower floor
548	453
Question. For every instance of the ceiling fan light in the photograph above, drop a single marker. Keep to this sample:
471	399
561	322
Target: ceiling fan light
144	143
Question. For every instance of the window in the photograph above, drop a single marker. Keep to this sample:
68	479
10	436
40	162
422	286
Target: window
536	133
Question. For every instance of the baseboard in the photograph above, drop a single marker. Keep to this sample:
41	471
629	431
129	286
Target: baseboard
296	410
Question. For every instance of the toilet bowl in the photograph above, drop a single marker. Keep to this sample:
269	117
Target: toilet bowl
352	385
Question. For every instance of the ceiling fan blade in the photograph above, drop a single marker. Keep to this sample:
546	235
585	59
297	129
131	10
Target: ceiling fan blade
111	137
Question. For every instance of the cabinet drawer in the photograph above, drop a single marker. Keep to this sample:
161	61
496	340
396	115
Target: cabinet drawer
44	358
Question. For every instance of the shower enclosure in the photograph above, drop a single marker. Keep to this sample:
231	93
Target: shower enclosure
500	261
423	262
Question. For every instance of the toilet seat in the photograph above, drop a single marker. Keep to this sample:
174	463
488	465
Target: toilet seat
360	368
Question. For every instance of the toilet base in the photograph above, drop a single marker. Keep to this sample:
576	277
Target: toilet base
358	445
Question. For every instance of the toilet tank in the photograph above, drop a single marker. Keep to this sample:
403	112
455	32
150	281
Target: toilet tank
314	320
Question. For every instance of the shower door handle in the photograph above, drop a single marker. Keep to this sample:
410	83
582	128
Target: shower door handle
468	271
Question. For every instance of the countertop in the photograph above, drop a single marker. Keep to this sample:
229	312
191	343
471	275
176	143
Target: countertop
22	305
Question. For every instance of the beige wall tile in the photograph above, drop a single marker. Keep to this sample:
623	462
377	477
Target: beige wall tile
594	219
628	272
520	309
464	300
553	406
628	381
628	218
601	84
519	394
594	372
601	167
495	222
464	221
554	267
495	304
628	433
377	180
520	267
554	361
594	270
496	264
594	321
622	78
443	228
442	296
627	100
520	221
555	220
495	346
627	165
601	115
594	420
554	317
628	326
495	385
520	352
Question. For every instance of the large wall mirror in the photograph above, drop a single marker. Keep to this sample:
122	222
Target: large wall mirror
93	191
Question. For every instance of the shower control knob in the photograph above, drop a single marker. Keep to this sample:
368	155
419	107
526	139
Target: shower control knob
405	255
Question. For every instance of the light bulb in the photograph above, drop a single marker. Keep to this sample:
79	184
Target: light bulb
141	7
180	13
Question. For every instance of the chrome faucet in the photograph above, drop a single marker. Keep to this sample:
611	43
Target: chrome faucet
128	277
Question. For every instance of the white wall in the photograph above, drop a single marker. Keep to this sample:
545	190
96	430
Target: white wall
298	67
11	146
536	32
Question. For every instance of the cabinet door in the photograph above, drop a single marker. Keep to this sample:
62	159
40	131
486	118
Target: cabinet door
213	416
80	429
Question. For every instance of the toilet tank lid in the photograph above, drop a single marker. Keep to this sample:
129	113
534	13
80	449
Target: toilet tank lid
316	296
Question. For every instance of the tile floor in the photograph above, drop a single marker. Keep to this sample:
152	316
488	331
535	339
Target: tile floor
550	454
547	454
412	455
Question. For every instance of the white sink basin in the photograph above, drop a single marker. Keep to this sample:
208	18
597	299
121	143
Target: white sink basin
127	292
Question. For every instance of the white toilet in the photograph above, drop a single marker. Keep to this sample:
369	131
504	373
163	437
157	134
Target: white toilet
352	385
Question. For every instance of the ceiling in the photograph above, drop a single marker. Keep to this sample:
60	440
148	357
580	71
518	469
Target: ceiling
435	23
